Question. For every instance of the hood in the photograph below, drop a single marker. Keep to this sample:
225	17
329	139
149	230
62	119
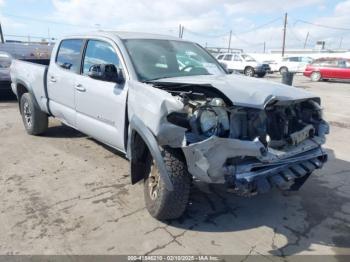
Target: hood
245	91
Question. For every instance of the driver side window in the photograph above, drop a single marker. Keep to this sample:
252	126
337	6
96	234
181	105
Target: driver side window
99	53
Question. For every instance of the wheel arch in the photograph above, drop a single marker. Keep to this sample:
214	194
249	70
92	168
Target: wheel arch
141	145
22	88
248	66
279	70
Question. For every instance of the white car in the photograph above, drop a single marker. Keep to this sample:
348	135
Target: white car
296	64
243	63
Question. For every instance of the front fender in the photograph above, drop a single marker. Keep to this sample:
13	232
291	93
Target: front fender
136	124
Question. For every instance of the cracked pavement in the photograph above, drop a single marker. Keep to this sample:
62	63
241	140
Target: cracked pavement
64	193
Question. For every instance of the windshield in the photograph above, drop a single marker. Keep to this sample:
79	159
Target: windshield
248	58
155	59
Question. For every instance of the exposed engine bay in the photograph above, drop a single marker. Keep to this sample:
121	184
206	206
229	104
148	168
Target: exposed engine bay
279	125
248	148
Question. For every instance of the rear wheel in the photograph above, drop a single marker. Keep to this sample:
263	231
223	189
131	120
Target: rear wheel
160	202
315	76
249	71
35	121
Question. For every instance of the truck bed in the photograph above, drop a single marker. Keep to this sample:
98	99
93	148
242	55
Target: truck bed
31	74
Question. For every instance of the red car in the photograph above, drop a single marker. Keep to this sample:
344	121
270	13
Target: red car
328	68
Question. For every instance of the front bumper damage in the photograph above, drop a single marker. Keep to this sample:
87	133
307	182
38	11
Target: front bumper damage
264	167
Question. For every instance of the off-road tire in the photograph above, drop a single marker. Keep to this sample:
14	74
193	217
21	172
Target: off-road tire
170	204
38	122
315	76
249	71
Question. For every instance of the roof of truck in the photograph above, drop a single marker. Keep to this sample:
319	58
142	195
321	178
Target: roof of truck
131	35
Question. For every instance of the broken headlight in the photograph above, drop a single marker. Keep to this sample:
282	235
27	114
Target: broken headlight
211	118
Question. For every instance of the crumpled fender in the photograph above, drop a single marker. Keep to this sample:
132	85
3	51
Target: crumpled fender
137	125
152	106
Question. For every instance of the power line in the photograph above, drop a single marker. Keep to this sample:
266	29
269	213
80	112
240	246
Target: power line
207	35
262	25
320	25
296	36
45	21
26	36
246	42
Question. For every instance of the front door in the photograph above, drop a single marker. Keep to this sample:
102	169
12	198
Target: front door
101	105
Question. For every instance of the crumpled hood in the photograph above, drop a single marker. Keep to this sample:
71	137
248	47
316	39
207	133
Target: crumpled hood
245	91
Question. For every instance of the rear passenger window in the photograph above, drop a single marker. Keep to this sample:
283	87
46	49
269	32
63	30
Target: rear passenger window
228	57
293	59
220	57
68	56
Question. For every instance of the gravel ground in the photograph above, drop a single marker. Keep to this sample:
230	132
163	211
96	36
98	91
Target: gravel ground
65	193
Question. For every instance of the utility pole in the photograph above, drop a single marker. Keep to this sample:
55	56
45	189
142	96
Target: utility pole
264	47
341	42
229	42
2	40
307	37
284	34
48	34
181	31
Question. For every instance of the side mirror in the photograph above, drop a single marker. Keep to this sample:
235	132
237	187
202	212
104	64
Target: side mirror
106	72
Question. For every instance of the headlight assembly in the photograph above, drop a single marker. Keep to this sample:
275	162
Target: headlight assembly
213	118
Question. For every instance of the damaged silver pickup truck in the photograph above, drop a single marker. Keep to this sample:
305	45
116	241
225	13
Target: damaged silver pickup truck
172	109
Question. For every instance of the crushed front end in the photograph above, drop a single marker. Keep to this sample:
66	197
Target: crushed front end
250	149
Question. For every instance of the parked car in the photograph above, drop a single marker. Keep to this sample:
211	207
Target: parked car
174	123
328	68
273	66
5	63
243	63
296	64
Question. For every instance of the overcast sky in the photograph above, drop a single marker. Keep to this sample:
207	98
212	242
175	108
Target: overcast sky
208	22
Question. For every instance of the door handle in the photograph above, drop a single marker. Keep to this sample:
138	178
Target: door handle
52	79
80	88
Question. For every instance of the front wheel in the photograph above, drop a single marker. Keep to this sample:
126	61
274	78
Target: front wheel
160	202
35	121
315	76
249	71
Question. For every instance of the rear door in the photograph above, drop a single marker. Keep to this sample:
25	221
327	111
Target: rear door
304	61
101	105
343	69
228	61
238	63
61	78
293	64
330	69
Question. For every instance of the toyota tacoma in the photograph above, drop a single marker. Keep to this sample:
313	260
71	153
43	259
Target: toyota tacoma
176	114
